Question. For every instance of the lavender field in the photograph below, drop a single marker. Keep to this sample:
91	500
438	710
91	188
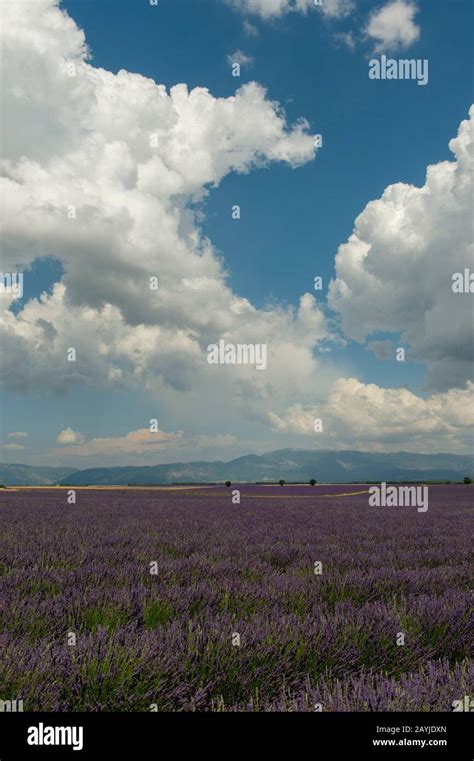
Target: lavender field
168	639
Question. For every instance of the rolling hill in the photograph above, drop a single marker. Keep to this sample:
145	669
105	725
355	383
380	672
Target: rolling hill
14	474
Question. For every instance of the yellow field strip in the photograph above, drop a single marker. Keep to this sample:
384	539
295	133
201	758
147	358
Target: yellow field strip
103	488
183	489
303	496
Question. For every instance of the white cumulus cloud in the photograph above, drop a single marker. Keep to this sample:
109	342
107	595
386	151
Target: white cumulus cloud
395	271
365	416
270	9
140	442
239	57
68	436
392	27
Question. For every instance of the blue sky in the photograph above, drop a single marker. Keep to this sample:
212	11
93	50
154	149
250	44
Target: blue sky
293	219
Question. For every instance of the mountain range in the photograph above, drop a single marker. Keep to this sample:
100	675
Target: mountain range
343	466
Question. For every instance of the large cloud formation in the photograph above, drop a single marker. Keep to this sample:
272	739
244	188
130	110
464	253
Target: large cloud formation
365	416
395	271
106	183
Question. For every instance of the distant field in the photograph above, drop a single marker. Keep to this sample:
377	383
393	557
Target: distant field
223	569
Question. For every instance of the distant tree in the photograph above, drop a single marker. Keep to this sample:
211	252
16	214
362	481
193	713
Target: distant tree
313	482
467	480
281	481
228	483
2	486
